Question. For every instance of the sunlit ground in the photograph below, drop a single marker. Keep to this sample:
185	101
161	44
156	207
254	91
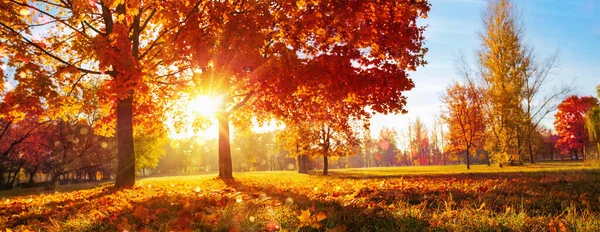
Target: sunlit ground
541	197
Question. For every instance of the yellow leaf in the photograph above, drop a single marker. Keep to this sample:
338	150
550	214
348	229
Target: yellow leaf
304	217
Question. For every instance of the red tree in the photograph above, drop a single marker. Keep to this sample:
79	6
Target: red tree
569	123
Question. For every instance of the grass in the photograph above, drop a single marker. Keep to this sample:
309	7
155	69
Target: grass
540	197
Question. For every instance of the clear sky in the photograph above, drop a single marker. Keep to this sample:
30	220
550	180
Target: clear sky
570	26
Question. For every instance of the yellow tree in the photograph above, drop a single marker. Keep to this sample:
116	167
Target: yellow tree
465	118
503	62
592	121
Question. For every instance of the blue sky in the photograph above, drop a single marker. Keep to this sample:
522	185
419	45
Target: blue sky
570	26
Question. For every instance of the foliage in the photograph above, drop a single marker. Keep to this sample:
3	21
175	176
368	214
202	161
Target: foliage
592	121
387	148
569	122
255	151
75	148
419	142
504	61
556	199
465	118
149	149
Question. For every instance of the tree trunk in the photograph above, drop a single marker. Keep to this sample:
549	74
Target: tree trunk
225	166
325	165
531	159
468	162
302	164
126	158
12	182
576	155
301	161
31	175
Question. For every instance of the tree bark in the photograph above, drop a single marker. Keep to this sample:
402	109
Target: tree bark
302	164
530	147
225	166
468	162
126	158
301	161
325	165
32	175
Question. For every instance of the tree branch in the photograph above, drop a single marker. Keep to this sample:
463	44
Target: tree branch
48	53
242	103
51	16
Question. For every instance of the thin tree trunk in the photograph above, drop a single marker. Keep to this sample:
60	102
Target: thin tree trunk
225	166
468	162
126	158
530	147
325	165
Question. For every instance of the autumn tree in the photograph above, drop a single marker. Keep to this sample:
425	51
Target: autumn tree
541	96
503	60
20	148
465	118
592	122
297	139
75	148
438	140
149	149
253	53
387	147
298	57
419	142
120	44
569	123
517	85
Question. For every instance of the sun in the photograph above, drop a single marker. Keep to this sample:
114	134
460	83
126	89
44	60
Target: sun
204	106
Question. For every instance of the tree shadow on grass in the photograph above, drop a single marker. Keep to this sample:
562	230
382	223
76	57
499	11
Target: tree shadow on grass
351	217
66	207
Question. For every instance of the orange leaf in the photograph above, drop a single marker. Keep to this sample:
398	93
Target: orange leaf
140	212
321	216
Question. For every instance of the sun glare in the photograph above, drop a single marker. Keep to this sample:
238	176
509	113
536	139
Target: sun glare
204	105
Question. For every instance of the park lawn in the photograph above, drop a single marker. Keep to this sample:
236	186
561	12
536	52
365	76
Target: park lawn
540	197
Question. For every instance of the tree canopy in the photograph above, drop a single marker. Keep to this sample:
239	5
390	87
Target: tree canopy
279	59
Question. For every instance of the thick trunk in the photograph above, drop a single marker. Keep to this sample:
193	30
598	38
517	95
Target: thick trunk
302	164
225	166
126	158
325	165
12	181
301	161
